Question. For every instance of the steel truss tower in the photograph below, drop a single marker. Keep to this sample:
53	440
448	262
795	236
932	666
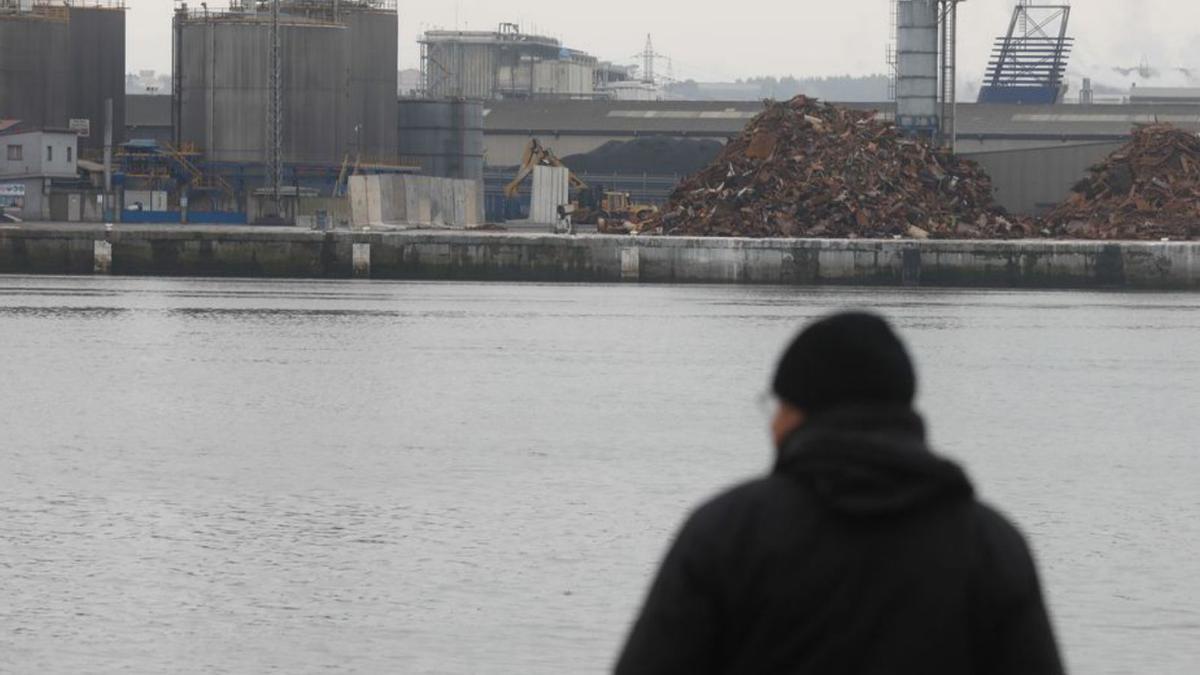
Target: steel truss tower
1029	63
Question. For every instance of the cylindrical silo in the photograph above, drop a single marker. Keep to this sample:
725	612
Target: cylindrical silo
96	68
225	74
374	44
917	65
444	138
468	65
33	65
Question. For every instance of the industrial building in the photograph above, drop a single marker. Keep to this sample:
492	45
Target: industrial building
60	61
509	64
287	97
39	167
337	81
296	102
1035	153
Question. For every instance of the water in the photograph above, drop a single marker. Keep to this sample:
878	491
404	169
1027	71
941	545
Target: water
219	476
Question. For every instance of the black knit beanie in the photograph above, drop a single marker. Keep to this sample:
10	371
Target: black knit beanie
846	359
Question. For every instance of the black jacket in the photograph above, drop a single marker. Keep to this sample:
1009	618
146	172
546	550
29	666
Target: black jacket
861	553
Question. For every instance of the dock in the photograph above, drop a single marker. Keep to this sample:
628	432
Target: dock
293	253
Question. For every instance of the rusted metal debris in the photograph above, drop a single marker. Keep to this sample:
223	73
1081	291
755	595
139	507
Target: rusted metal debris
1149	189
804	168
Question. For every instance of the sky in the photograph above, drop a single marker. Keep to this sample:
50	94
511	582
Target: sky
750	38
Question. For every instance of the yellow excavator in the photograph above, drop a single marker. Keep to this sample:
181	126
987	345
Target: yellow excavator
589	206
537	155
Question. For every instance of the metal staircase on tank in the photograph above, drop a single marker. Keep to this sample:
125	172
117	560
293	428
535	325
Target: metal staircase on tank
167	164
192	175
1028	64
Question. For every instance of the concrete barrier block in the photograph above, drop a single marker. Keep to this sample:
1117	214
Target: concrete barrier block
631	259
374	201
387	200
400	199
474	204
102	257
420	206
362	260
359	213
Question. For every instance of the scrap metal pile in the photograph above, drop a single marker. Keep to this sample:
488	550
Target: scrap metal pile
804	168
1150	189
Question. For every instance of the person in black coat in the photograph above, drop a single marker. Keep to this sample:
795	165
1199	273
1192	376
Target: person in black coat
862	552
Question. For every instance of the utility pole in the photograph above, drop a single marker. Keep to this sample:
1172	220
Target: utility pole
108	157
177	76
275	110
949	73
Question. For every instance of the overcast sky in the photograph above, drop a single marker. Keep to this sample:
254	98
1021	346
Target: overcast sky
762	37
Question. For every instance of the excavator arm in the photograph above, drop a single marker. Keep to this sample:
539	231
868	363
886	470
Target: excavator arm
537	155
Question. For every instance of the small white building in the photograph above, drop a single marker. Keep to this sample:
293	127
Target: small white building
30	161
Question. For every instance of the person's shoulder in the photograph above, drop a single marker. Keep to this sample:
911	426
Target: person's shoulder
739	502
1004	551
995	527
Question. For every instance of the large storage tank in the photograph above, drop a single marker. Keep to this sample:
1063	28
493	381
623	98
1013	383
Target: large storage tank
467	67
506	63
444	138
96	68
917	65
374	44
225	86
33	64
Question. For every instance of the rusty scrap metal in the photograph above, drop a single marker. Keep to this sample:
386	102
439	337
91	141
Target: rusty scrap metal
1149	189
804	168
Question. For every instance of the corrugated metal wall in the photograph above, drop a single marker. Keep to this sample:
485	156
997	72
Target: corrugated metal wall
96	63
33	60
444	138
1033	181
462	70
374	43
488	71
226	88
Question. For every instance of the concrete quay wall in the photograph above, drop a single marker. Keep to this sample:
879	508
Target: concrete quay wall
444	255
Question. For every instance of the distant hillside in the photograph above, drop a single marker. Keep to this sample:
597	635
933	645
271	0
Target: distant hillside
870	88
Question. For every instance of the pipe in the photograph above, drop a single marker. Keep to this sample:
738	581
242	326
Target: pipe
108	147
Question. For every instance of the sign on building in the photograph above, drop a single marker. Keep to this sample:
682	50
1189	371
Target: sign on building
81	126
12	190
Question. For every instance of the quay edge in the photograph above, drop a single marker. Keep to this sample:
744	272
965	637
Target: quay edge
173	250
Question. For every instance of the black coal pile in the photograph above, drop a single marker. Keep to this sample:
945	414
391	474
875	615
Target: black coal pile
655	156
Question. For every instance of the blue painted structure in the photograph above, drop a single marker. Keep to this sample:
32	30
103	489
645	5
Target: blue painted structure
193	217
1029	63
1048	95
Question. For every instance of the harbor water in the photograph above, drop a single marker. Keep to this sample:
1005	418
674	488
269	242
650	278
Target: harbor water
205	476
